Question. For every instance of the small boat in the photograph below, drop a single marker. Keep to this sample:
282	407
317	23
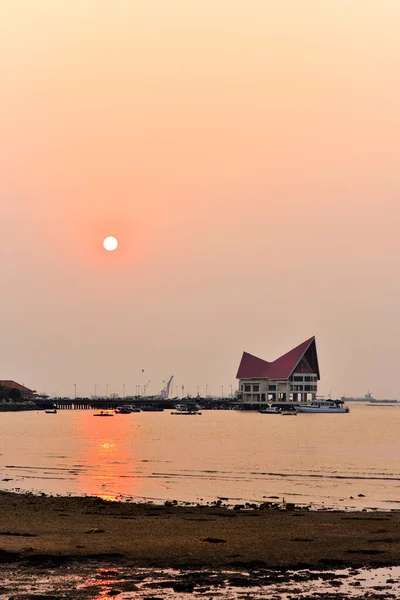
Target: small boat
122	410
270	410
51	411
186	412
103	413
287	412
132	409
186	409
323	406
152	409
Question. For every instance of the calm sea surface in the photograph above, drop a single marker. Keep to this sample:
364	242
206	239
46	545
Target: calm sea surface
244	456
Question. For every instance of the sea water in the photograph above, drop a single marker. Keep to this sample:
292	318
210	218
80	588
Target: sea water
324	460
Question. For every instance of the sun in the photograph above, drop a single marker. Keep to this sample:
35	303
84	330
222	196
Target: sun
110	243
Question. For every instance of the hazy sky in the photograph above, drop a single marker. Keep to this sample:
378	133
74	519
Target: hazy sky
246	155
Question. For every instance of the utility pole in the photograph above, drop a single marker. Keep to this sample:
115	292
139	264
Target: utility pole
95	390
198	394
231	392
222	391
106	390
206	390
75	390
123	391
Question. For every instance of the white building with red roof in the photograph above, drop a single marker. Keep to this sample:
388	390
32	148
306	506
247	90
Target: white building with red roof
290	379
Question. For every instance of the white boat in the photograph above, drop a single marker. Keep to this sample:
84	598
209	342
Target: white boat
323	406
270	410
127	409
185	409
51	411
122	410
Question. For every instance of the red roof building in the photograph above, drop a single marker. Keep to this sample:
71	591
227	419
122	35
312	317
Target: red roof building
291	378
9	383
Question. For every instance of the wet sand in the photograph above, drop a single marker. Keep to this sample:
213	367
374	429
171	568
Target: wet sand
39	530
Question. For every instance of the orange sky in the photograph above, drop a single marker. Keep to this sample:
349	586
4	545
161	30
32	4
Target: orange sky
245	154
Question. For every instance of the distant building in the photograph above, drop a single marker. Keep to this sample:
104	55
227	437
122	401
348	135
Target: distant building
291	378
25	392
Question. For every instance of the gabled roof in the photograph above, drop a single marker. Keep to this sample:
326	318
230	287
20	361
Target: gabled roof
302	359
251	364
9	383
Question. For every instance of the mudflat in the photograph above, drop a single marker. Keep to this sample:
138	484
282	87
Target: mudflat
37	528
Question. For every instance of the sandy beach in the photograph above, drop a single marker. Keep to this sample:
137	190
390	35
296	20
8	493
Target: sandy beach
39	529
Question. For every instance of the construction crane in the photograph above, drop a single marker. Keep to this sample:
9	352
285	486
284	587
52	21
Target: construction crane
166	390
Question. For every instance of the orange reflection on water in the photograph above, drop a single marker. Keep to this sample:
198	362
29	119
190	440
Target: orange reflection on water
107	445
105	577
110	465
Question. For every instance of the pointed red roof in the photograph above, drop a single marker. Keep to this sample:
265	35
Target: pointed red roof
302	358
9	383
251	364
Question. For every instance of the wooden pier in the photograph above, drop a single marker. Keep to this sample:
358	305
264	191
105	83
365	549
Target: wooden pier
101	403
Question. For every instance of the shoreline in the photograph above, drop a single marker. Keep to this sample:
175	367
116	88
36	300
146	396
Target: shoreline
54	529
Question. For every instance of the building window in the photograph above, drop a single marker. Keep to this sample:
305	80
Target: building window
247	388
256	388
298	378
272	388
262	397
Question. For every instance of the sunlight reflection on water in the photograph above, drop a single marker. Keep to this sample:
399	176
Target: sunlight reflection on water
327	460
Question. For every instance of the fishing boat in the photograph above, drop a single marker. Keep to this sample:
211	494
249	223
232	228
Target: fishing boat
288	412
122	410
132	409
270	410
186	409
152	408
51	411
104	413
323	406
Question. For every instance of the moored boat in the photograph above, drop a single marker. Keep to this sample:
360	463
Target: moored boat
184	409
132	409
270	410
51	411
122	410
323	406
